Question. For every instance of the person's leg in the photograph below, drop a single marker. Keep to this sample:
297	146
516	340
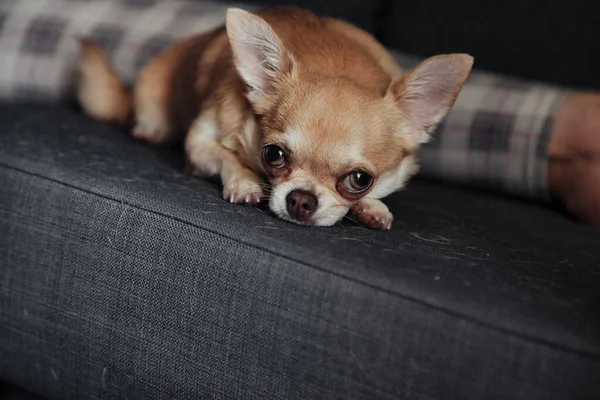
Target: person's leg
496	136
531	140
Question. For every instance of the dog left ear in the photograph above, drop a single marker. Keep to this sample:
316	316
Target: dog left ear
426	94
259	55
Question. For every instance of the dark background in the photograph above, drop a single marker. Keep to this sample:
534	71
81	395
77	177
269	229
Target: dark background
552	41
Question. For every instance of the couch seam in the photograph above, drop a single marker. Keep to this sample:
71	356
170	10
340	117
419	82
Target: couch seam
455	314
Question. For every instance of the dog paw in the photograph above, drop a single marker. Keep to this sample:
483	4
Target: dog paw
243	190
145	133
373	214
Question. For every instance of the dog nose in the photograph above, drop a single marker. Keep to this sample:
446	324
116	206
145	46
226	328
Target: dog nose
301	205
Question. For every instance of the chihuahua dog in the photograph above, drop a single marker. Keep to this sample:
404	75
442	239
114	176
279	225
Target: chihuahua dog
313	108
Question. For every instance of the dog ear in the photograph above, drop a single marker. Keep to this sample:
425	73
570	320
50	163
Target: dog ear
259	55
426	94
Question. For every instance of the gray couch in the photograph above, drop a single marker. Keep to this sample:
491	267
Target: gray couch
121	277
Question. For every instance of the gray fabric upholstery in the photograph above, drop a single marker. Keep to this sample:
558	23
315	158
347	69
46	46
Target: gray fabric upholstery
11	392
120	277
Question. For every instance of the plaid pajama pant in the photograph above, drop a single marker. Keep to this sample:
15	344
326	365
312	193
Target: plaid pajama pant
496	136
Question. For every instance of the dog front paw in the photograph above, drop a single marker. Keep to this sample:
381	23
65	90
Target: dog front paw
153	135
373	214
243	189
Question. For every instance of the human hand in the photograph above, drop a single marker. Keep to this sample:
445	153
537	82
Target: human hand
574	156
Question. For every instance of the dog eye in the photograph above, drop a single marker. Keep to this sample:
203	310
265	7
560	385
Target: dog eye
274	156
357	181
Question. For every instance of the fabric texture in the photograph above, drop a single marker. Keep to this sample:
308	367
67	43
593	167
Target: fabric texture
121	277
364	14
554	41
38	38
496	136
11	392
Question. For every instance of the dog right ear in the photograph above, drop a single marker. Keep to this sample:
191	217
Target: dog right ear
259	55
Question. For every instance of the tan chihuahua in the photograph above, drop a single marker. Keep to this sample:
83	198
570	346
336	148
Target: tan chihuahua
314	105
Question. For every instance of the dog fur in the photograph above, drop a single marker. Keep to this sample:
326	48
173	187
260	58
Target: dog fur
320	91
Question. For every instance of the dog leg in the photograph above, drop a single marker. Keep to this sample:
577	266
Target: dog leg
207	157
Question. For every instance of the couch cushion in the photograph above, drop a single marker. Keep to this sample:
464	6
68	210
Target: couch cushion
534	39
10	392
365	14
122	277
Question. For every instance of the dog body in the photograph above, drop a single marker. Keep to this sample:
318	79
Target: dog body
314	106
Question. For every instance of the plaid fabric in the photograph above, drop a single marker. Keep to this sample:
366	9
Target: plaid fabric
496	135
38	46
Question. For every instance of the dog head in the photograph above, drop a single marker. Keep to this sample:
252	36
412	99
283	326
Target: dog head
329	141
